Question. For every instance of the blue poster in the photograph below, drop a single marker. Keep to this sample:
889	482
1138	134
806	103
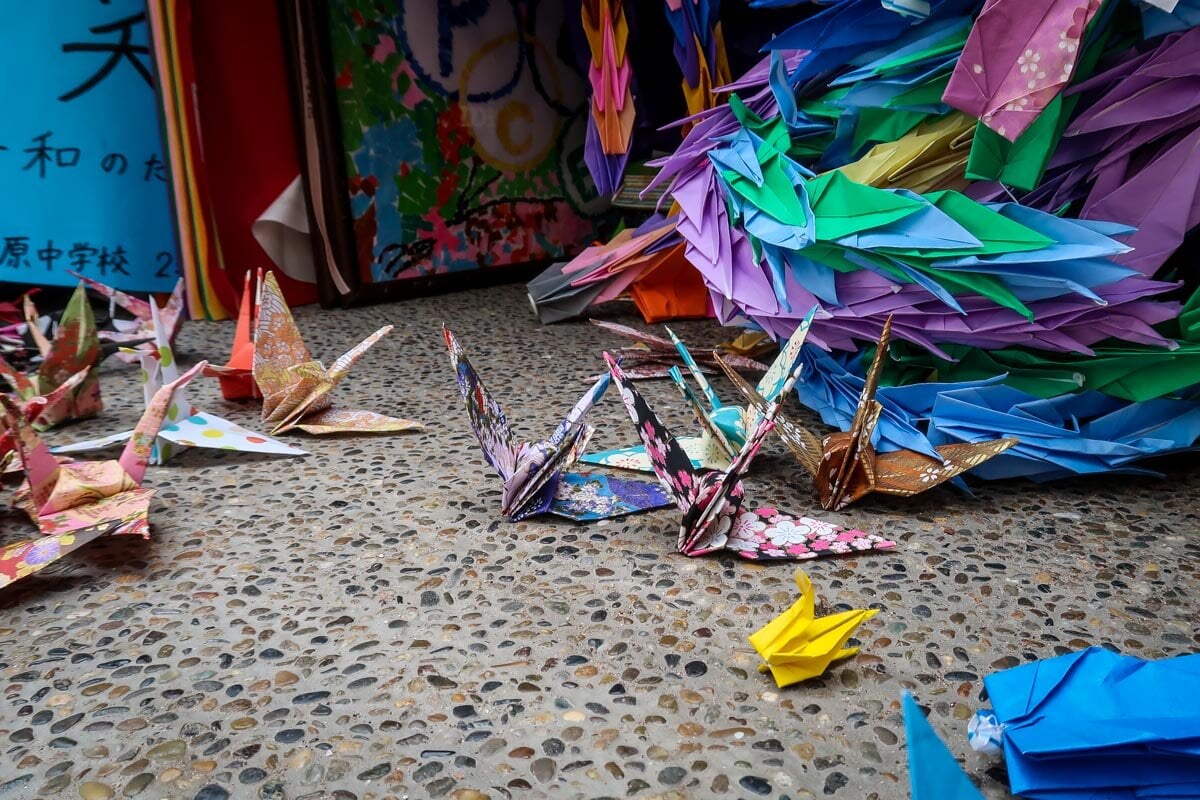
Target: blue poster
83	179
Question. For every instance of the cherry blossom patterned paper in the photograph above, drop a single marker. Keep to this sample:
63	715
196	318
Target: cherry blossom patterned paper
711	500
1018	57
766	533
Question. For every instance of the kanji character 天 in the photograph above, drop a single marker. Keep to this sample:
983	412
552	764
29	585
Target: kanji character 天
124	48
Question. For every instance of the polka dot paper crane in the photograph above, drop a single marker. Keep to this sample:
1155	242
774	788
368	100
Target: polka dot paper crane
74	503
846	467
185	425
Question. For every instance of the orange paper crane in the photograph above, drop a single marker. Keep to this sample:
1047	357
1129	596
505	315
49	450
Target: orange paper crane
73	503
845	466
237	376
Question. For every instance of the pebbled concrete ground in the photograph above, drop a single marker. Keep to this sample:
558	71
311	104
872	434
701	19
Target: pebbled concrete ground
360	623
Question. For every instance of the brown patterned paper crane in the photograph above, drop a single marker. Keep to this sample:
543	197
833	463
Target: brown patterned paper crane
845	467
296	388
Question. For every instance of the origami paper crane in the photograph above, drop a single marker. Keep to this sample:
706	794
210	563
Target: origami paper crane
646	262
139	331
765	190
555	296
700	50
74	503
237	376
1127	372
797	645
843	31
1070	433
1017	286
834	382
1021	163
74	348
185	425
295	387
933	773
30	410
724	427
930	157
711	500
846	467
728	425
1073	434
535	474
1095	724
653	356
25	343
1130	152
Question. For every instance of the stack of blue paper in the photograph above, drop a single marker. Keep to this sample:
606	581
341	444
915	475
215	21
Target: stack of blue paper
1095	725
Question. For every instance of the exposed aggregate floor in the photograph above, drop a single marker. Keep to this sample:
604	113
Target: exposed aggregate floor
360	624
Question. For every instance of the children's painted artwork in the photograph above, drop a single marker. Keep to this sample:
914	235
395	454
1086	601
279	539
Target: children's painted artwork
463	130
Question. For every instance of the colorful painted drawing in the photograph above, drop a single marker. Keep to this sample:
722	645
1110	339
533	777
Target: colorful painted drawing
463	131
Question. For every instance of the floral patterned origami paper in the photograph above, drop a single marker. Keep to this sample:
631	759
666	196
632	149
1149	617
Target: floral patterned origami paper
589	496
75	348
797	645
535	474
845	465
74	503
1018	57
711	500
31	409
724	426
296	387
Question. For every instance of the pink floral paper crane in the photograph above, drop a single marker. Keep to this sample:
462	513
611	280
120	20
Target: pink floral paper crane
74	503
711	500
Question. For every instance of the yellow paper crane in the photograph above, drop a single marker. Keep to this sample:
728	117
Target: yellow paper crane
796	645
